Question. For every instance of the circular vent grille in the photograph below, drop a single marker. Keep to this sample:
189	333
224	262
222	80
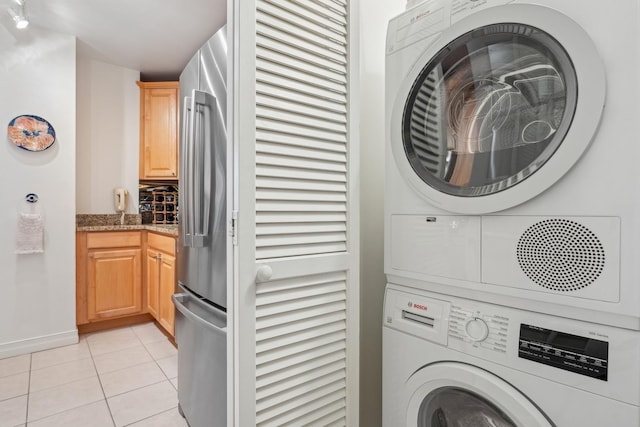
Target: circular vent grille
561	255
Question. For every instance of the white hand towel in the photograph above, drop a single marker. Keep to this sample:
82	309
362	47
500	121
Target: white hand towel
30	238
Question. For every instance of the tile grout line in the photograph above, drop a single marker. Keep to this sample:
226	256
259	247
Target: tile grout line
151	416
106	401
160	367
157	364
64	382
138	388
77	380
65	410
26	414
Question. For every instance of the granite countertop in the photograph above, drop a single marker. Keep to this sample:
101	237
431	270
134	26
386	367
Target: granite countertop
166	229
99	222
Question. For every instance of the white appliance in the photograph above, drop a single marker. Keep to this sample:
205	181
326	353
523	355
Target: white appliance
507	178
456	362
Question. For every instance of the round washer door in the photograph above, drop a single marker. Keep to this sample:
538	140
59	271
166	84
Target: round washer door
452	394
497	108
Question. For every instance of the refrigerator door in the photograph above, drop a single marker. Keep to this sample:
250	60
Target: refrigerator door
202	258
201	334
213	68
189	79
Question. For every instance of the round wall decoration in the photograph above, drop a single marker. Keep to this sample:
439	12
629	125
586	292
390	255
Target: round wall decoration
31	133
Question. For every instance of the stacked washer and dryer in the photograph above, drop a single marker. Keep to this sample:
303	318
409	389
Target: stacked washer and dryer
512	214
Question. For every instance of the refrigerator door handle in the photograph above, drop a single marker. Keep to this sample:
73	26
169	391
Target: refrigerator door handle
185	222
180	299
203	107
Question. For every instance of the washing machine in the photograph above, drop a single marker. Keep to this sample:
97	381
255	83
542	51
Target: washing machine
511	154
455	362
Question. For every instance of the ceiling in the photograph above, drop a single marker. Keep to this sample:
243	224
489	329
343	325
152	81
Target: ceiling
155	37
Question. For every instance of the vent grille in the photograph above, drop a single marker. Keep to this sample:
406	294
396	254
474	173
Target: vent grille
561	255
301	351
301	128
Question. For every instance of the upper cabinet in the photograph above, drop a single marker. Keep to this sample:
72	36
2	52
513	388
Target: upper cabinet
158	130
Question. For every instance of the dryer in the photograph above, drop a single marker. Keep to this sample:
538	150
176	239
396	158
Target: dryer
451	361
510	154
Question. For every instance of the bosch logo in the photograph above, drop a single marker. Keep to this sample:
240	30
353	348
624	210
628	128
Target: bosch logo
420	307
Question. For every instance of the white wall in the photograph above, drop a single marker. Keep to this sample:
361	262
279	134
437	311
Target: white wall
373	24
37	303
108	136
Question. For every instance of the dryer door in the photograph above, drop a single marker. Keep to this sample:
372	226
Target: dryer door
498	108
456	395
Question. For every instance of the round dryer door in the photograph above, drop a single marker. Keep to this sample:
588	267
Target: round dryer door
499	107
456	395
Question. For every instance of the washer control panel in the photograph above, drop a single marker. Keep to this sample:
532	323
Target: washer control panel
480	329
598	359
573	353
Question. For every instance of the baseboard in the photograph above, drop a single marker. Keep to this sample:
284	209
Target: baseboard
120	322
16	348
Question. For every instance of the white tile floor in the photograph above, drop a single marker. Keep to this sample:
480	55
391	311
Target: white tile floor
121	377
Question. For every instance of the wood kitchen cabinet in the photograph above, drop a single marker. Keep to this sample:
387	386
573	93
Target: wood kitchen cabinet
158	130
152	277
161	278
109	275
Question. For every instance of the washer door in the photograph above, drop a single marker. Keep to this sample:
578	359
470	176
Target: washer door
498	108
451	394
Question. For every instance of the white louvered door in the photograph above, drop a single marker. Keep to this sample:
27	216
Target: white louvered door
295	338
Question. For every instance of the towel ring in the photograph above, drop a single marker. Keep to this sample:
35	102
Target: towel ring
31	197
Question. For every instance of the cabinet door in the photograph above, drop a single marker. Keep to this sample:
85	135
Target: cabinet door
153	281
159	131
167	288
115	287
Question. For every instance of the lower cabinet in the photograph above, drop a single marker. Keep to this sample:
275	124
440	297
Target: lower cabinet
166	309
125	276
161	279
153	277
108	276
115	285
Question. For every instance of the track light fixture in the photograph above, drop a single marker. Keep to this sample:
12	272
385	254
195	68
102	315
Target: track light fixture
19	14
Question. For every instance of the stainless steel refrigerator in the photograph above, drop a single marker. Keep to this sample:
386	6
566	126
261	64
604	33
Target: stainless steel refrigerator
201	321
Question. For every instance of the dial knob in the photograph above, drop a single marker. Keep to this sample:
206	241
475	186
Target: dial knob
477	329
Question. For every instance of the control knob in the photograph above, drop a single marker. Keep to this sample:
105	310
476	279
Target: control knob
477	329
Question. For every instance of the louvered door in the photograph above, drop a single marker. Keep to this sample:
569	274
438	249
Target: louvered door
301	174
302	293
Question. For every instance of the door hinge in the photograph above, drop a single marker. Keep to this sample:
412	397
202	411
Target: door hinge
234	227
